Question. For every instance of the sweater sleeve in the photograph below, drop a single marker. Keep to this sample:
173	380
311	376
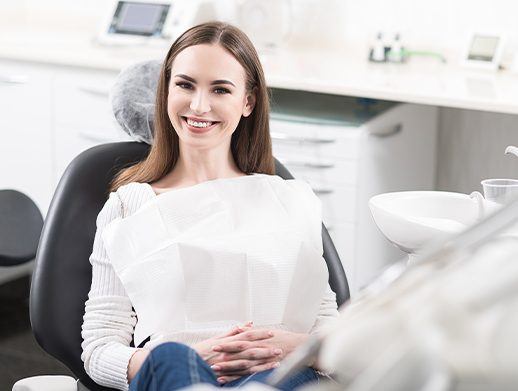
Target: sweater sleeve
109	319
327	312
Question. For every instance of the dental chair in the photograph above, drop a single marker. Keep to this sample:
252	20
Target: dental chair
62	275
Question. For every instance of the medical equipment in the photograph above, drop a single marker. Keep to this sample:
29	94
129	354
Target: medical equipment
145	22
378	52
484	51
446	322
411	220
396	52
511	150
501	191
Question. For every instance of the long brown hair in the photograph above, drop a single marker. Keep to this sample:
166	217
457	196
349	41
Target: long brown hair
250	143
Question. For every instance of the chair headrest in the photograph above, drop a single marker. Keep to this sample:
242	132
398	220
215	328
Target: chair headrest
132	98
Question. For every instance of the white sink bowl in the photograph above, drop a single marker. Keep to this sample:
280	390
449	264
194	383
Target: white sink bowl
413	219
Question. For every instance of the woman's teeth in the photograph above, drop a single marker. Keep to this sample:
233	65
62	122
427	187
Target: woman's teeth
198	124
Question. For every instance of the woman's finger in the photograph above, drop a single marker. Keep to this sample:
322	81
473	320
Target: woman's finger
237	330
227	379
255	335
252	354
264	367
231	347
252	335
236	367
229	376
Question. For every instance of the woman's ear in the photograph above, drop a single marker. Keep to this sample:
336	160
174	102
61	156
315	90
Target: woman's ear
250	100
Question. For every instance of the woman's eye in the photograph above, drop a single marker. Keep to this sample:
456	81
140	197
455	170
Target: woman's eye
221	90
184	85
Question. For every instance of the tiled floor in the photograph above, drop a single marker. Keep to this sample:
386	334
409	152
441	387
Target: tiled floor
20	355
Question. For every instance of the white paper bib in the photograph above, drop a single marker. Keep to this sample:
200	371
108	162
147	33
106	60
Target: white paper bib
222	252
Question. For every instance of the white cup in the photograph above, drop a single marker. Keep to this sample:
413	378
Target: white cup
501	191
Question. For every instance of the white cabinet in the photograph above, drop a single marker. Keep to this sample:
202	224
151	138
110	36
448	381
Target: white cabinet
82	115
26	131
50	114
348	150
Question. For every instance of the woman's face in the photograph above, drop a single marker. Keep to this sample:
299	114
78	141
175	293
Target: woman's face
207	96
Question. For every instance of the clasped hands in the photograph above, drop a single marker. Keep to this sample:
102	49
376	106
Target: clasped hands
245	350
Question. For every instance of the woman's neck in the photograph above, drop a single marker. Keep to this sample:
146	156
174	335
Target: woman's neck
190	170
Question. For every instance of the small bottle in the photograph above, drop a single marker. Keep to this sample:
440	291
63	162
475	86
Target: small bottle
377	53
395	53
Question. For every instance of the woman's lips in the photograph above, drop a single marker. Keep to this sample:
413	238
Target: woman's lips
199	129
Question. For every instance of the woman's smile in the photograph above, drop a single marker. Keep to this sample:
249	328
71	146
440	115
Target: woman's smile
199	125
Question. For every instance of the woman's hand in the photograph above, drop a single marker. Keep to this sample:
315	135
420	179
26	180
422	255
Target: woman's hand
204	348
249	339
237	356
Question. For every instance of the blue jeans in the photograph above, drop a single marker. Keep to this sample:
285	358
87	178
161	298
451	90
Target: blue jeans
172	365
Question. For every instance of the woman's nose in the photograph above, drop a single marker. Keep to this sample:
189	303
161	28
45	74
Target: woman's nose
200	103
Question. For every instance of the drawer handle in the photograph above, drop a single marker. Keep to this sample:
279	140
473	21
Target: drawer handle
21	79
322	191
94	91
95	138
388	132
302	140
295	163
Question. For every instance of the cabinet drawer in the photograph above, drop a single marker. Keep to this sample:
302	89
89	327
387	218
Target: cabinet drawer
323	171
82	100
317	141
24	94
339	203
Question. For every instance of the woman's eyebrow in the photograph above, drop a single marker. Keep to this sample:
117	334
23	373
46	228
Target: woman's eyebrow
219	81
186	77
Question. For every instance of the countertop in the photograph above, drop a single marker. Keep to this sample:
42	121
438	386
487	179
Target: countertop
342	71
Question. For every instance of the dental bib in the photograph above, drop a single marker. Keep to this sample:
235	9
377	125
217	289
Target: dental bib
200	259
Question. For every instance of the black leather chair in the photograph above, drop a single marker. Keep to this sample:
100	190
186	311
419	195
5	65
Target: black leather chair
20	228
62	276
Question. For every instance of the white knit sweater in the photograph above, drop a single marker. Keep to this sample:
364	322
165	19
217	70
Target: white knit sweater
109	320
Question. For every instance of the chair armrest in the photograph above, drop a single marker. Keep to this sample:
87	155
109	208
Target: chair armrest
46	383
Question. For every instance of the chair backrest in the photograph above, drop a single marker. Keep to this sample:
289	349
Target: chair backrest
62	276
20	228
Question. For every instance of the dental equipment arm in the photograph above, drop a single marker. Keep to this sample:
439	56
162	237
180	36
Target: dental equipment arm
431	323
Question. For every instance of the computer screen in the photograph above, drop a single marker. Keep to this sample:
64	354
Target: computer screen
139	18
483	48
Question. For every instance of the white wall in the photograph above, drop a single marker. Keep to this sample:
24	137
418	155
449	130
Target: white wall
424	24
430	24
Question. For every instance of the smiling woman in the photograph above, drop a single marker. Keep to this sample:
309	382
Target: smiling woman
201	254
212	107
210	100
